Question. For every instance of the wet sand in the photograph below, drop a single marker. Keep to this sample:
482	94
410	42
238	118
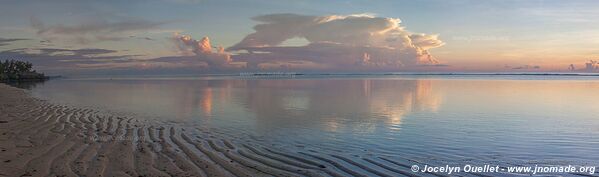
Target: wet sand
38	138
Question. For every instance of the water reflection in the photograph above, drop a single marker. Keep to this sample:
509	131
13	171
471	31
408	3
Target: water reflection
25	84
359	105
350	104
481	119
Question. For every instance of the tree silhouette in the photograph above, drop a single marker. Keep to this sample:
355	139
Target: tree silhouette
14	70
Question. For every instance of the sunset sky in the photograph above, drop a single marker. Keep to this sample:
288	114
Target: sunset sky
167	36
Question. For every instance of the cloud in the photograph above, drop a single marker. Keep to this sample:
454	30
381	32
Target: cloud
202	51
92	30
200	57
526	67
185	1
335	42
338	41
6	41
56	60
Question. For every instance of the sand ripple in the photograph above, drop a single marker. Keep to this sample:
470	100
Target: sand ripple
42	139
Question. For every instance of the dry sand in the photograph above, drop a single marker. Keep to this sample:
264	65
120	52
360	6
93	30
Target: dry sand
38	138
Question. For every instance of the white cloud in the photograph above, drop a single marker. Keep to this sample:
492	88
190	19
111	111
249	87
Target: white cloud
338	40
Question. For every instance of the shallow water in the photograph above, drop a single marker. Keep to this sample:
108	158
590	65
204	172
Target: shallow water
438	119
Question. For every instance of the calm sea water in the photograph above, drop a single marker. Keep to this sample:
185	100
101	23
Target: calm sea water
482	119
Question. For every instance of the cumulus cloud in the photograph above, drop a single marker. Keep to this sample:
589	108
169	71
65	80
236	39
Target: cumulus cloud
202	51
92	30
338	41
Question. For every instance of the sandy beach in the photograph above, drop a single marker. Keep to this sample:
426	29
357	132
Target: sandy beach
42	139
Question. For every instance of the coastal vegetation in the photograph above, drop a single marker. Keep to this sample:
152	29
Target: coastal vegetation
16	71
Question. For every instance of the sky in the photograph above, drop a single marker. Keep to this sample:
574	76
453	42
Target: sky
202	36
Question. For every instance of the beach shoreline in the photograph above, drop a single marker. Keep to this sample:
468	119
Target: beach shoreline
38	138
42	139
